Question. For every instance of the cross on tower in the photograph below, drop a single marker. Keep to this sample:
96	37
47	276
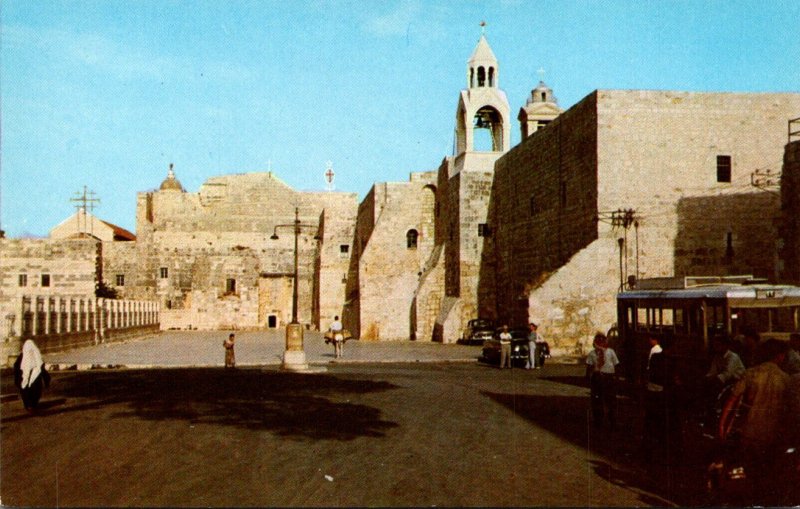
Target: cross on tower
483	27
329	174
540	72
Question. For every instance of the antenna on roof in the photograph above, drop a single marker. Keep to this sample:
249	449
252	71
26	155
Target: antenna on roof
82	202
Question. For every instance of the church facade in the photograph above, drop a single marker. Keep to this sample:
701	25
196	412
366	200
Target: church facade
623	185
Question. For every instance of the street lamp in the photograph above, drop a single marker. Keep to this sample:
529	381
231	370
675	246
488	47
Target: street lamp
294	357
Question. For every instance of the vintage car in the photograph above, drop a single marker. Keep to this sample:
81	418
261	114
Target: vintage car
478	330
519	347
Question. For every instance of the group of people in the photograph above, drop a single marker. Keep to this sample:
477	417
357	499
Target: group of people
760	416
538	349
336	331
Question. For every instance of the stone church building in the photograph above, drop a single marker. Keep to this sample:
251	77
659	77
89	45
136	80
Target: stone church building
211	261
624	185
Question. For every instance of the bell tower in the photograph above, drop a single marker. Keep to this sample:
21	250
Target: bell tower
482	106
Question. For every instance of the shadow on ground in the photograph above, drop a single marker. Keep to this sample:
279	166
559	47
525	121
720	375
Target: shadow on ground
620	458
299	406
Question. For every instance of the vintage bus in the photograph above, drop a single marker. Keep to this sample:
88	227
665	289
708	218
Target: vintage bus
684	313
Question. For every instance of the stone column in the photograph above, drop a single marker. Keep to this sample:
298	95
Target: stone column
47	314
20	315
35	310
57	308
101	319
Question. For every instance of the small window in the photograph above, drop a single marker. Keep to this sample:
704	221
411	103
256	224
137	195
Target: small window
541	123
723	168
45	279
484	230
120	279
23	280
230	285
411	239
544	96
481	77
163	272
344	248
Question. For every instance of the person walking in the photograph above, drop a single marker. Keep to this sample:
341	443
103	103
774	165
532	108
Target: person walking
601	371
230	356
30	375
533	335
505	348
338	336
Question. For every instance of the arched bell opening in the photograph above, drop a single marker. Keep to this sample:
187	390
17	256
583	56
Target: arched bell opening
487	130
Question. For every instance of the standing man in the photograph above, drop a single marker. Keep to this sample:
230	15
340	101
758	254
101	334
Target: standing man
762	392
533	336
601	366
230	356
505	348
338	336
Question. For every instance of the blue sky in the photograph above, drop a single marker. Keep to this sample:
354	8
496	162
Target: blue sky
107	93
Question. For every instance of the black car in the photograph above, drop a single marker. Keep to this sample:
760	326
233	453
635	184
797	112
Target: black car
519	347
478	330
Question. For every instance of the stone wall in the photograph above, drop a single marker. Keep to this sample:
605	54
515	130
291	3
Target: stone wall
790	214
391	264
654	153
209	258
543	210
70	265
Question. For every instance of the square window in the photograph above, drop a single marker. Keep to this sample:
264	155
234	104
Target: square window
120	279
344	248
723	168
164	272
484	230
45	279
23	280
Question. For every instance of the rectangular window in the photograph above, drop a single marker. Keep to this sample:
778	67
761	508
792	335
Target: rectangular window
723	168
45	279
230	285
164	272
484	230
23	280
120	279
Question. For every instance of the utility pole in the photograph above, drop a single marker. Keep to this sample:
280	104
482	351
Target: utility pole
82	202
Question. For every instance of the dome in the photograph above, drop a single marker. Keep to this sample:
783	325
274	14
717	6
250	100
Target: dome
171	183
542	94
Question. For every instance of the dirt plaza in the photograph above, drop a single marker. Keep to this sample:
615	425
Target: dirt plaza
360	434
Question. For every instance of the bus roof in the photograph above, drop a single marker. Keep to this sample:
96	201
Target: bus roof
785	295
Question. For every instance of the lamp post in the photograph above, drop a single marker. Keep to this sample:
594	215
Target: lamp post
294	357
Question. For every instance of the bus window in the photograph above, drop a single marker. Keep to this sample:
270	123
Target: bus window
642	319
678	321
